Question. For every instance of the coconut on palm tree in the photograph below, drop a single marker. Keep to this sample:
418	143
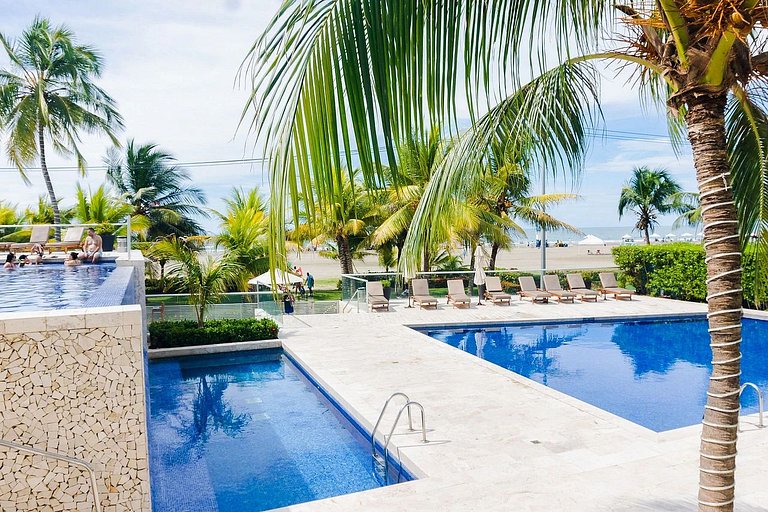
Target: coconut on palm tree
158	189
704	60
48	96
648	194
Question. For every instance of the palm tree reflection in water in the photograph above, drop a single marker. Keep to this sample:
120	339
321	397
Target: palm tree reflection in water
211	413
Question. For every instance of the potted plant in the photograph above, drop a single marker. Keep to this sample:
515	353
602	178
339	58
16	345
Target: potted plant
106	232
387	285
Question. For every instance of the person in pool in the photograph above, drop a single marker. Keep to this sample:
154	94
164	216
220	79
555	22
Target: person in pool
92	247
10	261
73	260
36	256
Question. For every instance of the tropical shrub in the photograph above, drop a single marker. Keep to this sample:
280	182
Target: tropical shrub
187	333
679	271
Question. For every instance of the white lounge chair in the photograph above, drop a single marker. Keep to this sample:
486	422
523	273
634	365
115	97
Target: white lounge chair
38	236
376	298
421	295
528	289
73	239
552	285
494	292
457	294
576	285
609	286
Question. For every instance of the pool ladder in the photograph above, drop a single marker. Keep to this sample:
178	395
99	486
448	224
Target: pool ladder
382	461
760	409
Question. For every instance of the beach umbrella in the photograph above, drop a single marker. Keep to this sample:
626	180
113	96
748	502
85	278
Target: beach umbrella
655	236
592	240
481	260
627	237
687	236
670	236
281	277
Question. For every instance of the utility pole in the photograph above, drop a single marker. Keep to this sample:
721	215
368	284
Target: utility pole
543	232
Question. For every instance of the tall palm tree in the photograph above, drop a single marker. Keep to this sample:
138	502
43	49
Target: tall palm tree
648	194
48	94
100	206
158	189
244	228
382	70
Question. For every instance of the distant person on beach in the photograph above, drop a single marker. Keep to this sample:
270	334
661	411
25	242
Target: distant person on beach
298	271
73	260
310	284
92	247
10	261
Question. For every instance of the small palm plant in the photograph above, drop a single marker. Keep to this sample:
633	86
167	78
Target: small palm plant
648	194
206	278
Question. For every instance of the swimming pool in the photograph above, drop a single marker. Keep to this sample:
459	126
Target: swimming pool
652	372
246	431
50	286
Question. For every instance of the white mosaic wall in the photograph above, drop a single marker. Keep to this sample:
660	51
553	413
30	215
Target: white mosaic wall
72	382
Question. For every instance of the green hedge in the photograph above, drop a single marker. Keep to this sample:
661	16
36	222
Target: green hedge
186	333
678	271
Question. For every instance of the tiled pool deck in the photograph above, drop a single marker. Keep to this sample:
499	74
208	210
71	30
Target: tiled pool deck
498	441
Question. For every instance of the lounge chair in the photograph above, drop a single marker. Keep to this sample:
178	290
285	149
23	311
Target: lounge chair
457	294
494	292
39	235
376	298
421	296
73	239
609	286
528	289
552	285
576	285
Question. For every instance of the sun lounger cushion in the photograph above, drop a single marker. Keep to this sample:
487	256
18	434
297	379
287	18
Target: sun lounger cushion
611	287
552	285
456	292
376	296
421	294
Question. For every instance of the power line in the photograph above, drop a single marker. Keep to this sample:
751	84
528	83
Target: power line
618	135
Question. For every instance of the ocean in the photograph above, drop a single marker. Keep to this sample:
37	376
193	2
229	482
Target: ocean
607	234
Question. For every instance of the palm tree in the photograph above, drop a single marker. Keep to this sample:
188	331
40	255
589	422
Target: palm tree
648	194
690	210
101	207
244	229
158	189
48	93
206	278
705	60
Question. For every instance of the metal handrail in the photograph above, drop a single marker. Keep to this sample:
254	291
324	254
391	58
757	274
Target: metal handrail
392	431
65	458
381	415
759	402
357	291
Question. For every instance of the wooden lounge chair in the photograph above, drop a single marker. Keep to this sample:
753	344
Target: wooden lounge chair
494	292
576	285
73	239
552	285
421	296
528	289
376	298
609	286
457	294
39	235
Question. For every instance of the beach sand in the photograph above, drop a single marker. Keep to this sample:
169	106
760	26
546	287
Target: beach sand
521	258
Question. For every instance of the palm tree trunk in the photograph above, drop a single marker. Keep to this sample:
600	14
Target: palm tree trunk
49	184
345	254
494	254
425	261
706	132
647	236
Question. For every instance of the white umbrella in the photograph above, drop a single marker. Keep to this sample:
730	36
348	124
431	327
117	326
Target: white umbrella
671	236
655	236
481	260
281	277
627	237
592	240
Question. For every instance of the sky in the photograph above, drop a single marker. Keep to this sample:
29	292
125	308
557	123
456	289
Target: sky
172	68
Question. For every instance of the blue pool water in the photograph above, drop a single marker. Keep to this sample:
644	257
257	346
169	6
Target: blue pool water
246	432
654	373
50	286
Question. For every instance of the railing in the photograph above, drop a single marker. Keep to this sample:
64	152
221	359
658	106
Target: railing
8	229
759	401
56	456
437	280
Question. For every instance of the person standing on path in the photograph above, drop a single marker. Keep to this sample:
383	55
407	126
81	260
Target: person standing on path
310	284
